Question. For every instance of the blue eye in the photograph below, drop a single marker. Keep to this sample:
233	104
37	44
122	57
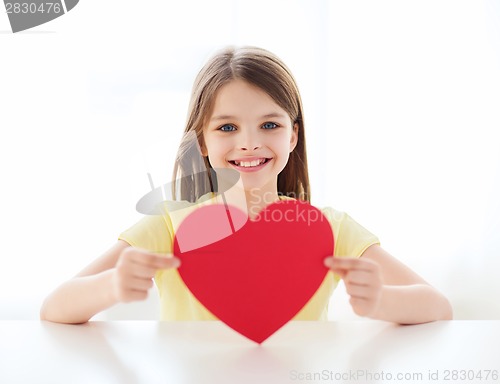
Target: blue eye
227	128
269	125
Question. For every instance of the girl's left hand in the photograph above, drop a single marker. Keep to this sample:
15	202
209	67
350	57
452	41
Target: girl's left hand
363	282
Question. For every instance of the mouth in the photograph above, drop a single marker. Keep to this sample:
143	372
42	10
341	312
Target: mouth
250	165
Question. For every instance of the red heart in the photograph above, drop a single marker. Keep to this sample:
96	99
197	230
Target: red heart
254	275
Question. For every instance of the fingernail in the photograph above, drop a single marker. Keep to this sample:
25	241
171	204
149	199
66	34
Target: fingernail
176	263
328	262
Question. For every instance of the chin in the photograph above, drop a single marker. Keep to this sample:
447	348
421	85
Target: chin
262	184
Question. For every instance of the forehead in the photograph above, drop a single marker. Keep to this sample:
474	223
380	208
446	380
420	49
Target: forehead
240	96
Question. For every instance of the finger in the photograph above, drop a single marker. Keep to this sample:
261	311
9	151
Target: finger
358	291
148	271
360	277
172	262
338	264
154	260
138	284
340	273
128	269
328	262
165	261
143	272
349	263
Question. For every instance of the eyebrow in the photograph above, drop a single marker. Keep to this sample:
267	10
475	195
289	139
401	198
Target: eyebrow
267	116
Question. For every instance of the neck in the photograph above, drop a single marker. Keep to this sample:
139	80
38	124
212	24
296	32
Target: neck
250	201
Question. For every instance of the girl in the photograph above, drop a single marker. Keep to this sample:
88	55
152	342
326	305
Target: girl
245	116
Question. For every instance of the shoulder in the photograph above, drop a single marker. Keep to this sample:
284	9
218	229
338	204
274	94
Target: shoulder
155	231
350	237
171	211
334	216
339	220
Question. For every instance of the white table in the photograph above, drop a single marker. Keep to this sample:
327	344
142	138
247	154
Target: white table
152	352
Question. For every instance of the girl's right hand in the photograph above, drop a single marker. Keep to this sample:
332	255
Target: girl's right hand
132	276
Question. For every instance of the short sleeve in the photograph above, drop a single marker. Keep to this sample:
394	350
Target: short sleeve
351	239
152	233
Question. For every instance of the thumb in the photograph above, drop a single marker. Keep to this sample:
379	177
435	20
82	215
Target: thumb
330	263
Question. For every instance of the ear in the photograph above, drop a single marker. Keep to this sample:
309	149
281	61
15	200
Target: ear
204	152
294	138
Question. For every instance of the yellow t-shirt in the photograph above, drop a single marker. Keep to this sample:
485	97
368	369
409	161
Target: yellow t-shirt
156	234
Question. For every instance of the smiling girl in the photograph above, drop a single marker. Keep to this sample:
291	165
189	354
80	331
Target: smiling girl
250	133
245	116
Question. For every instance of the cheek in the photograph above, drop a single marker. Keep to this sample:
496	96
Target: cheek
285	156
216	149
282	145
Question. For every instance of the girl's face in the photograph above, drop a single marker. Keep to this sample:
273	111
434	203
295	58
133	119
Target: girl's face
250	133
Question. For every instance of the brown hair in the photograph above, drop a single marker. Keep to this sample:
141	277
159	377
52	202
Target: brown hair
264	70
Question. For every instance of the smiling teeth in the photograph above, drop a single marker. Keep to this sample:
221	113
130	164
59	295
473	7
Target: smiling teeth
253	163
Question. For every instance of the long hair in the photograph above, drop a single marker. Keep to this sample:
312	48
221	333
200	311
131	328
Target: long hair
193	176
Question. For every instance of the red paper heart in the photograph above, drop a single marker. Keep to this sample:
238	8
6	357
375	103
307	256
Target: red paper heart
254	275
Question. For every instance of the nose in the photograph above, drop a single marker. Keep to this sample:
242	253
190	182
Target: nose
249	141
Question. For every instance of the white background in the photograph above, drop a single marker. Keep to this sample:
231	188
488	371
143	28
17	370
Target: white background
402	118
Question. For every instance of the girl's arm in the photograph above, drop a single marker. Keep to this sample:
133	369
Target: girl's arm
381	287
121	274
